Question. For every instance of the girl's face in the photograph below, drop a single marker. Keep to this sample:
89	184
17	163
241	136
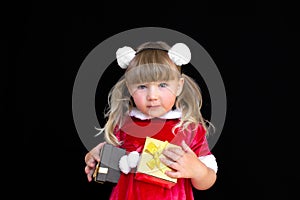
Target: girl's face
156	98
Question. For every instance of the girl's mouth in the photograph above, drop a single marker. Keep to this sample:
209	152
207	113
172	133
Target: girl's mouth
157	106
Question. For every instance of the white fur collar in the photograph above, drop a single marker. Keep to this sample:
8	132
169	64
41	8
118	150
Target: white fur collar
173	114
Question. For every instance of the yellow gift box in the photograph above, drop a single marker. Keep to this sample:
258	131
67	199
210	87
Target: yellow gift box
150	169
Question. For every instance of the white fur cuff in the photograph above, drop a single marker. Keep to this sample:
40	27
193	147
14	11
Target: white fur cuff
123	165
209	161
128	162
133	158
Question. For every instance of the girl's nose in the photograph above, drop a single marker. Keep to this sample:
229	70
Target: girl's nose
152	93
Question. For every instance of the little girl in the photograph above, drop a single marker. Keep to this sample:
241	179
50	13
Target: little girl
154	98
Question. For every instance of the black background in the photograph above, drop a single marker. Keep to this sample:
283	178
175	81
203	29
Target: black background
254	45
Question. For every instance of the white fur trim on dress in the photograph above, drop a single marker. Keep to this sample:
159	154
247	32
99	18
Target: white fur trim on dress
173	114
209	161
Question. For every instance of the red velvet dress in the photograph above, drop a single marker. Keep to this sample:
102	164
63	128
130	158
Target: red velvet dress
128	188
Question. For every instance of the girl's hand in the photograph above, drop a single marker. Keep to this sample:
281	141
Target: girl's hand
183	160
91	159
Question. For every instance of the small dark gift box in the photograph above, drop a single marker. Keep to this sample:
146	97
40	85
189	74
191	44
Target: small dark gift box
107	170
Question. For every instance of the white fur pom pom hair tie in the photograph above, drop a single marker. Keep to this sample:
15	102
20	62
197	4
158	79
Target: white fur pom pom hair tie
179	53
124	56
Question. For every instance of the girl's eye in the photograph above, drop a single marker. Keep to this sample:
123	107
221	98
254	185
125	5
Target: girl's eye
163	85
140	87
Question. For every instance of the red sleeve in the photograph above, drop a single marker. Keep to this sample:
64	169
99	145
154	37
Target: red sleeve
119	134
199	142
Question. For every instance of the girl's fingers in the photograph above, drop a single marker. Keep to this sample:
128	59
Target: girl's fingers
176	150
173	154
185	147
89	172
91	158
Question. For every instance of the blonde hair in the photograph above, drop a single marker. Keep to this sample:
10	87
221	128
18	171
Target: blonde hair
151	64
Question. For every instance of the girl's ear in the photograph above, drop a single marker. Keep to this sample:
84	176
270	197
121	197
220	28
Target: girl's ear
180	86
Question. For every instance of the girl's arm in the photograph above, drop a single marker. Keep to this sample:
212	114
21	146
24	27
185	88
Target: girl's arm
186	164
204	177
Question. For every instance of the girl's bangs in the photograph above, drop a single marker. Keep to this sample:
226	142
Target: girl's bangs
151	73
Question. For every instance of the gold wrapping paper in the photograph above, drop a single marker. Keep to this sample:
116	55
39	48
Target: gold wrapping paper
150	159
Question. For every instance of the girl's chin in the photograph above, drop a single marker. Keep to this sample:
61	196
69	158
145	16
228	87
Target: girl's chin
155	112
